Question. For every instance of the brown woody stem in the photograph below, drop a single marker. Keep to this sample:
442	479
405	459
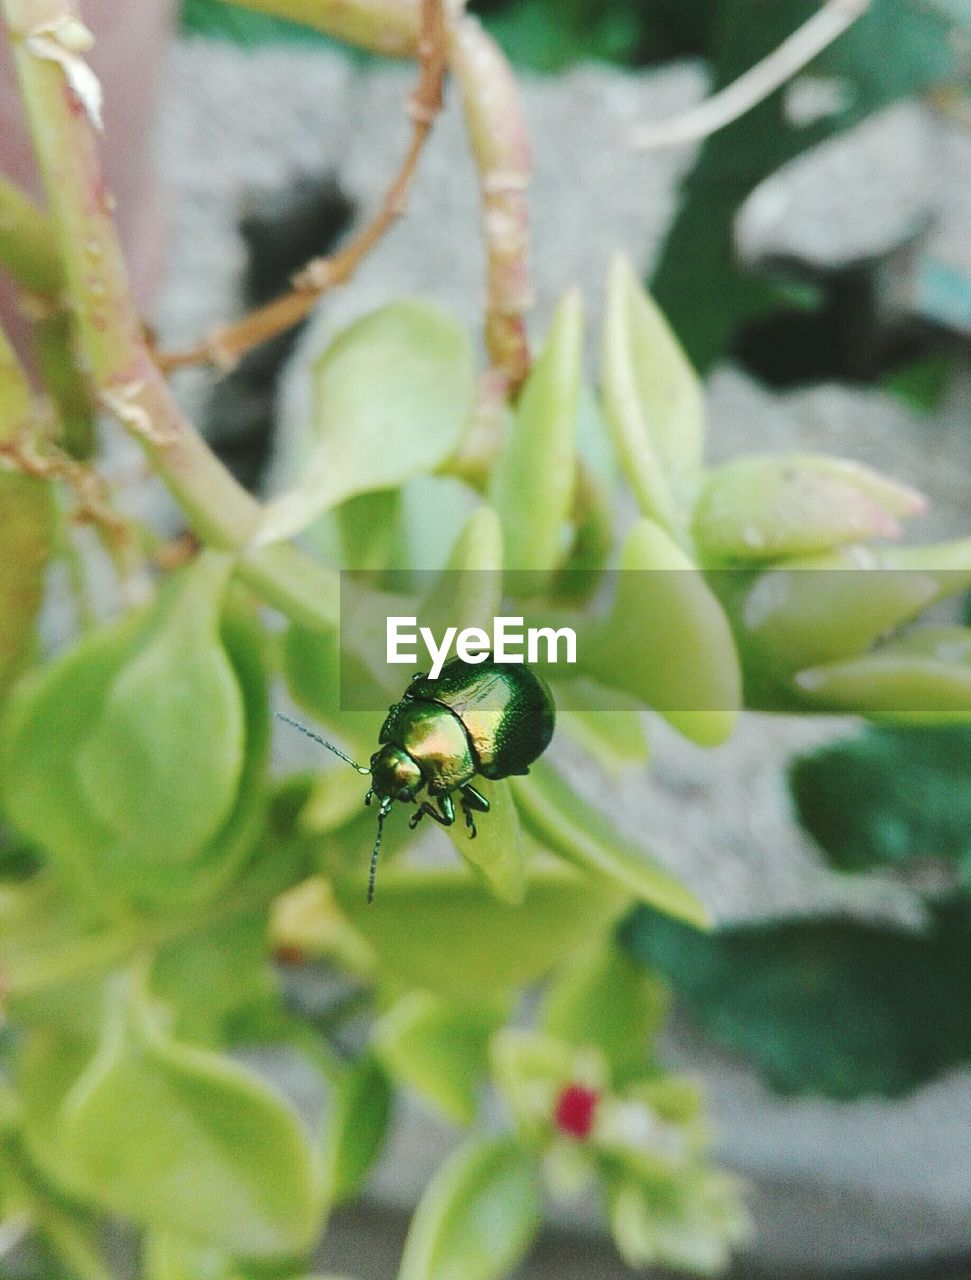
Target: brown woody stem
227	344
500	145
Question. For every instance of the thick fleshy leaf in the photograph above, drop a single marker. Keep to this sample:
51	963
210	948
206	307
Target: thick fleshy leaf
613	735
393	393
55	954
593	506
144	775
922	678
440	1048
497	854
765	508
829	1006
208	978
356	1129
602	999
174	1138
312	666
443	930
888	797
691	1227
559	819
533	483
948	563
666	640
795	615
468	591
169	1257
652	399
478	1216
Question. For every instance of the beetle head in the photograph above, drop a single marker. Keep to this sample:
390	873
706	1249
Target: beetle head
395	776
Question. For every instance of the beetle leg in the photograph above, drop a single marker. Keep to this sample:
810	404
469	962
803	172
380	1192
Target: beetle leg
472	802
445	817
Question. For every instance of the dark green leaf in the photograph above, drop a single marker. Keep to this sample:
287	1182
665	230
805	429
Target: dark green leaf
356	1129
825	1006
889	796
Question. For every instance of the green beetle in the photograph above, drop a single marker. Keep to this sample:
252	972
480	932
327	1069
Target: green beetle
477	719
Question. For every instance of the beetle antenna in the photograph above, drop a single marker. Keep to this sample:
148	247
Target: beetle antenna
323	742
383	812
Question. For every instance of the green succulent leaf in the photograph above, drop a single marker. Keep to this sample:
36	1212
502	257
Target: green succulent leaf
439	1048
207	979
468	591
533	483
54	955
796	615
497	854
652	399
602	999
444	931
947	563
357	1128
478	1216
829	1006
921	678
369	526
178	1139
691	1227
168	1257
312	665
765	508
136	791
393	393
558	818
684	665
614	736
889	797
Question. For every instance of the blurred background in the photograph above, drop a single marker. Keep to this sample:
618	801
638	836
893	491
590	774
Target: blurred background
814	258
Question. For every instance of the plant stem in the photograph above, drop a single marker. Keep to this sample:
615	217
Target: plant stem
26	243
128	381
500	146
227	344
784	62
26	528
27	252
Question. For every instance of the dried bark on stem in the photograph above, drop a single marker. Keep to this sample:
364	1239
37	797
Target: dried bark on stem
227	344
500	145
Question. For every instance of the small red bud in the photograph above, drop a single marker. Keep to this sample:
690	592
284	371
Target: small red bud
575	1110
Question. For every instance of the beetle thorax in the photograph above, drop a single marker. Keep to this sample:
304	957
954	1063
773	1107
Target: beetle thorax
394	774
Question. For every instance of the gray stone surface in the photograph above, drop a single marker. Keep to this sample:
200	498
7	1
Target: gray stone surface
858	1182
896	189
